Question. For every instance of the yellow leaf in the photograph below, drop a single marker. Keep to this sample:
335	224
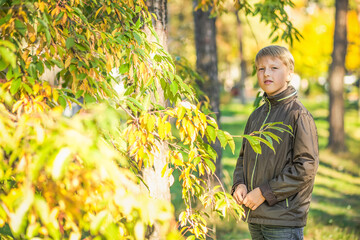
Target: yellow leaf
68	61
64	18
59	162
131	138
143	138
55	95
192	154
32	37
108	65
191	131
151	123
39	98
161	130
178	160
182	134
41	6
98	11
196	121
167	128
48	90
36	88
151	138
17	105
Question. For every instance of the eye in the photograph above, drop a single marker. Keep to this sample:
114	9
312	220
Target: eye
260	69
274	67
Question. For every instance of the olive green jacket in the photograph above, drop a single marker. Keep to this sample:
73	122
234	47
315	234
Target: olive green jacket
286	177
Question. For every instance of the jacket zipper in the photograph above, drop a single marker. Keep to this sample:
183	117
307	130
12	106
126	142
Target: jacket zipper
287	202
256	158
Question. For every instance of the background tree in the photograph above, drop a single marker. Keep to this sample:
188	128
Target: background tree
207	66
336	79
243	66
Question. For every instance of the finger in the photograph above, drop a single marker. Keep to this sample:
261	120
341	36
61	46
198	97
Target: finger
236	198
245	202
240	201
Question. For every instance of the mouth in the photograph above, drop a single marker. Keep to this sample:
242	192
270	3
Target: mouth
267	82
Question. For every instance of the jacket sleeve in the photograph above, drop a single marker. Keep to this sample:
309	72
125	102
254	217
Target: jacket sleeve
300	173
238	176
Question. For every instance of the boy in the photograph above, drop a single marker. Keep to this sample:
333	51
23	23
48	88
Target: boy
276	188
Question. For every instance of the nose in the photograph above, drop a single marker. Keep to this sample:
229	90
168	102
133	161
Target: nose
267	72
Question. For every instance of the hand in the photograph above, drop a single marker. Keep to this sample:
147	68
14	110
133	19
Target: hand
254	199
240	193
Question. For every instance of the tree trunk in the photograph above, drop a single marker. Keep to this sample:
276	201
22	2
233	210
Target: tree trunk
158	186
206	65
336	79
243	67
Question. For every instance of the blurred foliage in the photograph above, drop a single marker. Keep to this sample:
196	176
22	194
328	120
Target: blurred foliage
76	178
313	19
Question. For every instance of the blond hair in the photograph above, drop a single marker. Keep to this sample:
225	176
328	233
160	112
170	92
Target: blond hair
279	52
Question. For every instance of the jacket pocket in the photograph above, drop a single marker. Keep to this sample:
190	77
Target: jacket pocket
284	203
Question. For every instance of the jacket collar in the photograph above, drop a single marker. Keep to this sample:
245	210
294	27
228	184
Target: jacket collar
283	97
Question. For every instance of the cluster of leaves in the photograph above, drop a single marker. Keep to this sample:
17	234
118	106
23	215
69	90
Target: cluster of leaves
79	178
60	179
67	178
274	13
271	12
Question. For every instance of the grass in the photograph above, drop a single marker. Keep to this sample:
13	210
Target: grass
335	208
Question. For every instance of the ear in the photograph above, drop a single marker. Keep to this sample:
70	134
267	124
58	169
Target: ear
290	76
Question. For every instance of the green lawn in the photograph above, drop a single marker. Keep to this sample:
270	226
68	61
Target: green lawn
335	209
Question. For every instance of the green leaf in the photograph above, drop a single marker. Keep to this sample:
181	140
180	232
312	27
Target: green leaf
7	56
5	19
70	42
222	138
89	99
15	84
32	70
62	101
79	94
136	102
271	136
27	88
191	237
3	65
81	76
264	141
253	143
80	47
210	164
58	63
210	150
40	67
8	44
210	133
124	68
174	87
231	143
137	38
21	27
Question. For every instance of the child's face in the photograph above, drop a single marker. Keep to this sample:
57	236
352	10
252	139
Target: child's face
273	75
